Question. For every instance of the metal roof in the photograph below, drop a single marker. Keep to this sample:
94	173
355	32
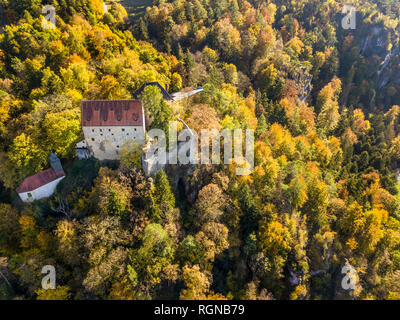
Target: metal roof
98	113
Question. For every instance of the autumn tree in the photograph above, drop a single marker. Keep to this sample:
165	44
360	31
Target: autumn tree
327	103
196	284
60	293
148	262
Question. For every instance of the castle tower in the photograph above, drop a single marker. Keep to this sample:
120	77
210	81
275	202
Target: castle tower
55	163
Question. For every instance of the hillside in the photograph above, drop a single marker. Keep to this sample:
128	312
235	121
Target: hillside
323	103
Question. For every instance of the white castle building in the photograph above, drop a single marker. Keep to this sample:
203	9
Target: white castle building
108	125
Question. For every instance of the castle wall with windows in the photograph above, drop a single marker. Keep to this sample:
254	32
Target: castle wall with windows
106	142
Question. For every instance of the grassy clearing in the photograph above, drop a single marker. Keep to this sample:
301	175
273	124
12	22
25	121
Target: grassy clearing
136	7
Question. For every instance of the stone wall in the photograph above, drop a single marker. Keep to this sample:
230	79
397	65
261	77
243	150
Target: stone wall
105	143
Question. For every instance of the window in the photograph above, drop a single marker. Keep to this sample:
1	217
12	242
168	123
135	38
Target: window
92	139
117	147
123	130
30	195
92	130
135	129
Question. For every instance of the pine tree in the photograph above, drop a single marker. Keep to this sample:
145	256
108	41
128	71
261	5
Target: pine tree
162	199
180	54
143	31
189	65
189	61
261	126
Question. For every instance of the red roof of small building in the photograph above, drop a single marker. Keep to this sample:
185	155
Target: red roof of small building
39	180
112	113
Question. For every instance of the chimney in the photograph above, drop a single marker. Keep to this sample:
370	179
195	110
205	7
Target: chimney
55	163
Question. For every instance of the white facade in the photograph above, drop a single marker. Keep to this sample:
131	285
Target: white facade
106	142
42	192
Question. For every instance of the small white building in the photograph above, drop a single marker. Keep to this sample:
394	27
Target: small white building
43	184
108	125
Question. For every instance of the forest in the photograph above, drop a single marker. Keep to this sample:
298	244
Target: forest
323	102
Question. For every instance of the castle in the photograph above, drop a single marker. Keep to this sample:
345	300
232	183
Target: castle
109	124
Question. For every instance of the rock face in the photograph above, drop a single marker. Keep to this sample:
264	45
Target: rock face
374	45
374	42
369	65
294	279
152	161
7	279
182	184
304	84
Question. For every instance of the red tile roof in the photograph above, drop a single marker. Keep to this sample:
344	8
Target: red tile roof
39	180
112	113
